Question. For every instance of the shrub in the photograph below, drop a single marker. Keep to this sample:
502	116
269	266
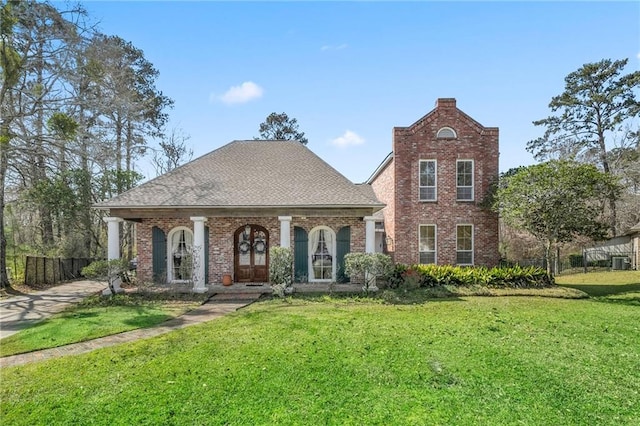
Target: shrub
464	276
280	269
107	270
368	267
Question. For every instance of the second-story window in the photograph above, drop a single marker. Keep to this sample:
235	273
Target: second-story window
428	180
464	180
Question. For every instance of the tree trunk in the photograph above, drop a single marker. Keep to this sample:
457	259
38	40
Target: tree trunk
605	167
547	256
4	145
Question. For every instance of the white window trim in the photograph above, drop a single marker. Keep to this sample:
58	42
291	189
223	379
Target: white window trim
435	186
332	252
455	134
435	242
170	255
473	244
473	180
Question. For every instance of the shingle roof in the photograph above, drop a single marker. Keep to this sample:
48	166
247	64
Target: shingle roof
249	174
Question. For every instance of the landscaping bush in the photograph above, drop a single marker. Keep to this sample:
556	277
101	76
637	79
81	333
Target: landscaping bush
367	267
404	276
280	269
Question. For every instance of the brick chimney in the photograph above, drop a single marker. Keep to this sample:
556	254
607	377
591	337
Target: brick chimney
446	103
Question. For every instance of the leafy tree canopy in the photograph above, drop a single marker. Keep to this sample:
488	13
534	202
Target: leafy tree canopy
598	103
556	201
597	99
282	128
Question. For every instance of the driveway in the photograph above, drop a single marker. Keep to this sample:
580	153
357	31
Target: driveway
17	312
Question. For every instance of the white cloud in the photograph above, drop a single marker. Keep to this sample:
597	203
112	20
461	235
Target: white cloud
349	138
246	92
332	47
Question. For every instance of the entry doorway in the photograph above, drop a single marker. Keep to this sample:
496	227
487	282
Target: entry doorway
251	254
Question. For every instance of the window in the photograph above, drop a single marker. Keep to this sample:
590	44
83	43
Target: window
464	245
446	133
180	254
427	244
428	178
322	252
464	180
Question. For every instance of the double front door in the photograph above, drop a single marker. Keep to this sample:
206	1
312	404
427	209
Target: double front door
251	244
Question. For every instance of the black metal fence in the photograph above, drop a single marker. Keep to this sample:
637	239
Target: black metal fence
590	261
51	270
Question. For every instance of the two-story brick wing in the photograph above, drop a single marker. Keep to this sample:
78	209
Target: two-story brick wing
433	184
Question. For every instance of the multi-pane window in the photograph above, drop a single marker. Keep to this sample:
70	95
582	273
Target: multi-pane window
428	177
464	180
322	250
180	257
464	245
427	244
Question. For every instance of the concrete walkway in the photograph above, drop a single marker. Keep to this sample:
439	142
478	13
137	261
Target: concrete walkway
18	311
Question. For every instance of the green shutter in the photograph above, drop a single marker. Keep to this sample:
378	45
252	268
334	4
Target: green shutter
343	246
159	253
206	255
300	254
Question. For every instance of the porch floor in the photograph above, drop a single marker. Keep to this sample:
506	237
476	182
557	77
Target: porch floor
265	288
257	288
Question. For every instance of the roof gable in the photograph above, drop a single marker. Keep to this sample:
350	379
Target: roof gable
444	106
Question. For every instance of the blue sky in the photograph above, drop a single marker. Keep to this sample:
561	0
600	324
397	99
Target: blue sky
351	71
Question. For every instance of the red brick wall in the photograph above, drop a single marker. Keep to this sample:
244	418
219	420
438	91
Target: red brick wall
221	231
473	142
384	187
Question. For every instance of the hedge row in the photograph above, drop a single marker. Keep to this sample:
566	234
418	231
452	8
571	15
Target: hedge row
414	276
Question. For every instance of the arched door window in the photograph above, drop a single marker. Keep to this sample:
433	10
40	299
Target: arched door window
322	253
180	254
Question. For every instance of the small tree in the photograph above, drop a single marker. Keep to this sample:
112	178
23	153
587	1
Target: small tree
109	270
280	269
367	266
281	128
556	201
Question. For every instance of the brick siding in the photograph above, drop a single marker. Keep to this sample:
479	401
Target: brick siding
221	232
419	142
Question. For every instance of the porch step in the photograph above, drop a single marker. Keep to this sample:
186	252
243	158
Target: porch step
220	297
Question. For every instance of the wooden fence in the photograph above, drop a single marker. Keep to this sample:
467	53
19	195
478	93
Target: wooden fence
51	270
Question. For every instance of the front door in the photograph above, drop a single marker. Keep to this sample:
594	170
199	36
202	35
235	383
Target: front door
251	244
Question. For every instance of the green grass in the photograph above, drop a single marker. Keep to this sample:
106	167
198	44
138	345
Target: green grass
95	317
350	361
607	284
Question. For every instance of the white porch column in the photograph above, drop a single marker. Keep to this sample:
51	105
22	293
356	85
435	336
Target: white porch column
370	234
198	254
370	244
285	231
113	249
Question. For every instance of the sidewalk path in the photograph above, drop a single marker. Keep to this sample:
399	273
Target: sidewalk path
215	307
18	312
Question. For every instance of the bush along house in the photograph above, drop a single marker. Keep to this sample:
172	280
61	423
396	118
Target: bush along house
219	214
433	184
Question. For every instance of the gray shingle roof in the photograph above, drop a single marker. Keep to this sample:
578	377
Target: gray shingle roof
249	174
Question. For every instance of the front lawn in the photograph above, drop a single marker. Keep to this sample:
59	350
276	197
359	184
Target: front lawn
353	361
603	284
96	317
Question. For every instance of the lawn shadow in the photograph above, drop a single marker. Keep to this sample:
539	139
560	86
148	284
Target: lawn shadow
600	290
